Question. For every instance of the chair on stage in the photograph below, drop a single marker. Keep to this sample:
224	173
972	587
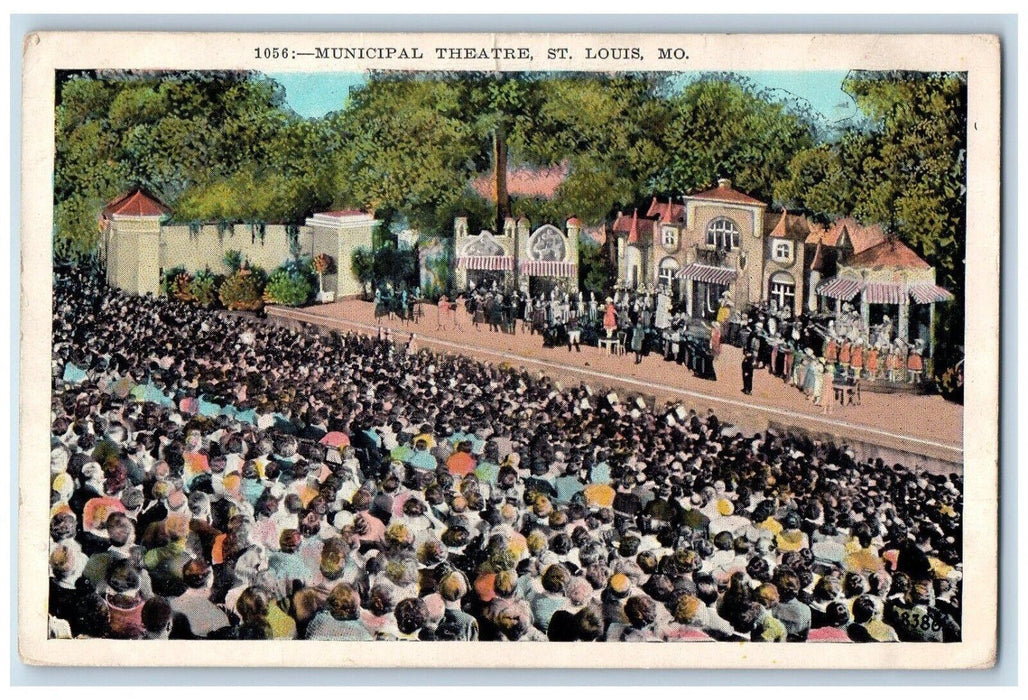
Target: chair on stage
608	343
622	339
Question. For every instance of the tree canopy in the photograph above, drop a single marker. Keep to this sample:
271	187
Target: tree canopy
225	146
214	145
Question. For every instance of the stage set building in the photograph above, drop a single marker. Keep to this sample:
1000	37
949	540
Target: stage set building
139	241
535	262
724	245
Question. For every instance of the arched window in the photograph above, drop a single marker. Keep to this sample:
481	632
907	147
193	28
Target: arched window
723	233
668	269
782	290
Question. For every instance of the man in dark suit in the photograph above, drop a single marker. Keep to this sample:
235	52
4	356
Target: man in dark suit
747	371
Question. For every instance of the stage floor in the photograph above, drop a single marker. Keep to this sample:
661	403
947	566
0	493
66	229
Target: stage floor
916	426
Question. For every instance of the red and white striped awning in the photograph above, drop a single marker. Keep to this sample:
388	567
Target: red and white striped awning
885	293
842	288
548	268
928	293
707	273
485	262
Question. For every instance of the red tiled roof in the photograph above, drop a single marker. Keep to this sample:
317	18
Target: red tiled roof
890	253
573	221
343	212
633	226
861	237
596	233
791	226
666	212
523	182
136	202
725	193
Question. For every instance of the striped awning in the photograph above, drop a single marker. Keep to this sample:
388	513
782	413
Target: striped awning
707	273
548	268
928	293
842	288
885	293
485	262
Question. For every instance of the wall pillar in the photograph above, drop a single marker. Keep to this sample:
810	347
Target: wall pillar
815	278
903	321
343	233
931	329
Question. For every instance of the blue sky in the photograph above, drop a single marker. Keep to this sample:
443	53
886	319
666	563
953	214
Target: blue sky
317	94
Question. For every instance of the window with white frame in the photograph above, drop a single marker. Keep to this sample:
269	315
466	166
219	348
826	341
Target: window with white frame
668	269
782	290
781	251
723	233
669	237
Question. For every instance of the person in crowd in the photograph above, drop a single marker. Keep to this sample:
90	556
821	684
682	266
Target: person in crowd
747	371
360	492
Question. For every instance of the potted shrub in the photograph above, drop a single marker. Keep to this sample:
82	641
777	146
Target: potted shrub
324	265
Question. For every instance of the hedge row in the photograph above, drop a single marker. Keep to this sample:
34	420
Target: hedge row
246	288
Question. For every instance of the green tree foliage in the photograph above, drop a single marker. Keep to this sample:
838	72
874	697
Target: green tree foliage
594	271
409	147
398	267
913	174
905	169
412	145
212	145
385	264
292	284
723	127
609	130
815	182
362	264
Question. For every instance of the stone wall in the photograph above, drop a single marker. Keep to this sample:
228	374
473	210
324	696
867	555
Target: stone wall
206	246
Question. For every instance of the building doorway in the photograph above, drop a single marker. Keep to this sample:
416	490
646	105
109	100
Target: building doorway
486	279
707	299
543	285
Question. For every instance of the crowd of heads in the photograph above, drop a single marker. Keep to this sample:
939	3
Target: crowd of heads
218	476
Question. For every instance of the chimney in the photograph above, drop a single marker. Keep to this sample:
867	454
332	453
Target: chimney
723	183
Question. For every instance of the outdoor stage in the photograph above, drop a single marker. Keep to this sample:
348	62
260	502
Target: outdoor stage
922	431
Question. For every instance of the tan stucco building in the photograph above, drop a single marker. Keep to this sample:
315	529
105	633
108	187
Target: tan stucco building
709	246
722	244
533	261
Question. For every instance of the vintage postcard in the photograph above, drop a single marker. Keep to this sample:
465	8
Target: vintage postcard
383	350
